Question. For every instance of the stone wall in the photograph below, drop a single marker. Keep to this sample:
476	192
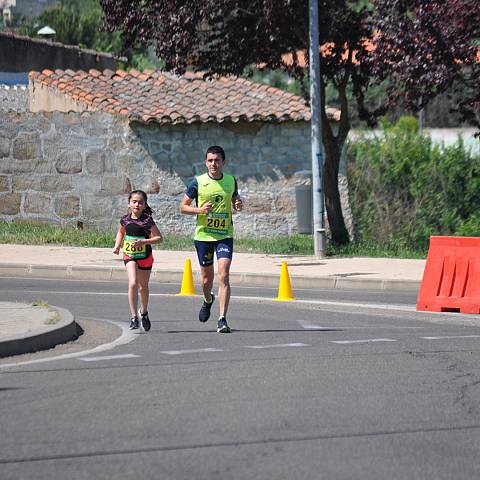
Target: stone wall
13	98
64	168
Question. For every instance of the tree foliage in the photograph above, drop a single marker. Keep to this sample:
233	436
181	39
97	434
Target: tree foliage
75	23
79	23
426	47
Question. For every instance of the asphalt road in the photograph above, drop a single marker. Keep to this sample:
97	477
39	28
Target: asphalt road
337	385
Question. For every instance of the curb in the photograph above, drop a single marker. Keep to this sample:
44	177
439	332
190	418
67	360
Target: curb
237	278
327	282
63	331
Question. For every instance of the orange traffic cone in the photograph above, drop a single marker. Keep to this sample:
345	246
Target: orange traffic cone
187	288
284	288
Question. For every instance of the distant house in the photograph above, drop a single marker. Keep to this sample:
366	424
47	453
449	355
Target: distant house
20	54
6	10
111	131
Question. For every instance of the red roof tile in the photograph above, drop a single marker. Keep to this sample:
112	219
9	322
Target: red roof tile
154	96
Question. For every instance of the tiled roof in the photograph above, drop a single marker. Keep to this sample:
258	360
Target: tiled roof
154	96
326	50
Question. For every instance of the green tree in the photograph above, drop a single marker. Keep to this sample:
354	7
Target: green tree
75	23
79	23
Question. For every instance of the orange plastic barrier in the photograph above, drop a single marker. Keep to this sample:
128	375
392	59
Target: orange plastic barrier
451	280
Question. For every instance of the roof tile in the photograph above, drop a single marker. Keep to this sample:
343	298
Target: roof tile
108	73
155	96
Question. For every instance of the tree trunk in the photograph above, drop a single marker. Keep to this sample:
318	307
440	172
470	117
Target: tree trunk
333	205
333	146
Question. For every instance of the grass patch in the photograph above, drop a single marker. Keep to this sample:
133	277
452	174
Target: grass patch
32	233
291	245
376	250
41	303
54	316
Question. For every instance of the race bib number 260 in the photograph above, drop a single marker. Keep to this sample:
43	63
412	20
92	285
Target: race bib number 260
130	250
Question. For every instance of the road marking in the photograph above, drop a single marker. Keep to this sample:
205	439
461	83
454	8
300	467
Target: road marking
197	350
108	357
401	308
312	326
279	345
367	340
451	336
379	306
126	337
307	325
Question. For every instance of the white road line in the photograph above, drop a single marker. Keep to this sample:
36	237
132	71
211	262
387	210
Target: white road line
108	357
368	340
197	350
307	325
402	308
451	336
279	345
60	292
312	326
126	337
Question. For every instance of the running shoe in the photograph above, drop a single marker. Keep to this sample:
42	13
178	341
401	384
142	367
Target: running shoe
134	323
222	326
144	320
204	313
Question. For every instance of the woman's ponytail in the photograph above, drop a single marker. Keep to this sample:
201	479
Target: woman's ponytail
148	210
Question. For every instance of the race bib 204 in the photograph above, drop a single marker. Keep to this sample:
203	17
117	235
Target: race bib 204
217	223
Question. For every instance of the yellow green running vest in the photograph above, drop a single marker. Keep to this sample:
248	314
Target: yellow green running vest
217	224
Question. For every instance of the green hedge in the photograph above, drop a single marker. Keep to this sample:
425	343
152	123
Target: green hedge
403	188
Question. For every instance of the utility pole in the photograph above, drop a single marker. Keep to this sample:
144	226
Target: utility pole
318	203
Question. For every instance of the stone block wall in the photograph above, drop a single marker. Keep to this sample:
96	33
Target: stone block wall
64	168
14	98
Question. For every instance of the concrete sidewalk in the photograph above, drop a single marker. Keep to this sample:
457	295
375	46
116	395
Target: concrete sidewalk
22	327
26	328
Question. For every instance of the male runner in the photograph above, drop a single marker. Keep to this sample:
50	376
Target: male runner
215	194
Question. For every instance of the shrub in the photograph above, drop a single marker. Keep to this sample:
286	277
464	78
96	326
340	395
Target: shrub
404	188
